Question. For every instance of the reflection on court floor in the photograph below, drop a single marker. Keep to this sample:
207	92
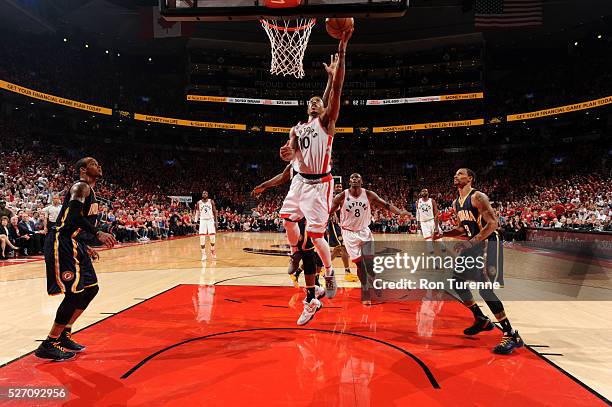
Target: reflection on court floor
201	344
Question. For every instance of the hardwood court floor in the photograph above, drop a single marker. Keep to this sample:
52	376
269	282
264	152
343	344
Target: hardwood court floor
573	332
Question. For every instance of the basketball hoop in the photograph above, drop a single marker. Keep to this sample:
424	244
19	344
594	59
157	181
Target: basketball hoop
289	39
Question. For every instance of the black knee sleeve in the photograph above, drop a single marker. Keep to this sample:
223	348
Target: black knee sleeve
66	309
309	262
88	295
492	300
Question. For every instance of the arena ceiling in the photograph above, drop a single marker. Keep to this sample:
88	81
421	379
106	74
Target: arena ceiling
119	23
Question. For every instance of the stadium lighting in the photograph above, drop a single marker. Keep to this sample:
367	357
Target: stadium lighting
150	59
65	39
86	45
118	54
106	52
599	36
576	43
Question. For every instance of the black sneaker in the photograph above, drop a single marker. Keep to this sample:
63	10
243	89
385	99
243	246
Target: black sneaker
294	262
53	351
70	345
480	324
508	343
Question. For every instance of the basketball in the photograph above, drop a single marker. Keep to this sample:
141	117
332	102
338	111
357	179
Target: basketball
336	26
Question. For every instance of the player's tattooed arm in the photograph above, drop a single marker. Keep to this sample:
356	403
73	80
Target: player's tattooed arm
79	192
337	202
377	201
278	179
481	202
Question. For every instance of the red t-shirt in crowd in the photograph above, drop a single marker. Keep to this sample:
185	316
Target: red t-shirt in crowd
559	209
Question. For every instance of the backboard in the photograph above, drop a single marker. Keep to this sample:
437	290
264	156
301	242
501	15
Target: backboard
229	10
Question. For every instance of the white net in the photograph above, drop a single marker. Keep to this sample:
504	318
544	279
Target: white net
289	39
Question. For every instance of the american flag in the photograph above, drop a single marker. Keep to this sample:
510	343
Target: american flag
508	13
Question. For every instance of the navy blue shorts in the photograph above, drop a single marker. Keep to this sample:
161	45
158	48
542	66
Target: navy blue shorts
493	253
69	268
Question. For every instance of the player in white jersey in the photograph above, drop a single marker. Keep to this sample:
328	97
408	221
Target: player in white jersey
206	212
355	206
427	216
310	259
310	144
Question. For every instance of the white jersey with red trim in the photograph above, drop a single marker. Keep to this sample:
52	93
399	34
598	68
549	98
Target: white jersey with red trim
314	147
205	209
425	210
355	214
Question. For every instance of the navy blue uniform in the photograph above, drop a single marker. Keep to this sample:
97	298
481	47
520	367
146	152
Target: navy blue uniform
334	234
470	218
69	267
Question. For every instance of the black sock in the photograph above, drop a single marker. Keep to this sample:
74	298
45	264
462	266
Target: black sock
347	271
477	312
506	327
317	280
310	294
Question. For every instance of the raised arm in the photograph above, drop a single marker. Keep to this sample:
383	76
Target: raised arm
377	201
337	202
278	179
330	69
330	116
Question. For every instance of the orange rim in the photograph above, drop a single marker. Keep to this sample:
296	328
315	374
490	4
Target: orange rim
299	28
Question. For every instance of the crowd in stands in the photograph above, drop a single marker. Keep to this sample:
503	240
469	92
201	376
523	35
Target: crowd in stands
546	187
529	189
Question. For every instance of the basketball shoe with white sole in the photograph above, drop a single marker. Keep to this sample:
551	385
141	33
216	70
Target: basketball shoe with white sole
310	309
